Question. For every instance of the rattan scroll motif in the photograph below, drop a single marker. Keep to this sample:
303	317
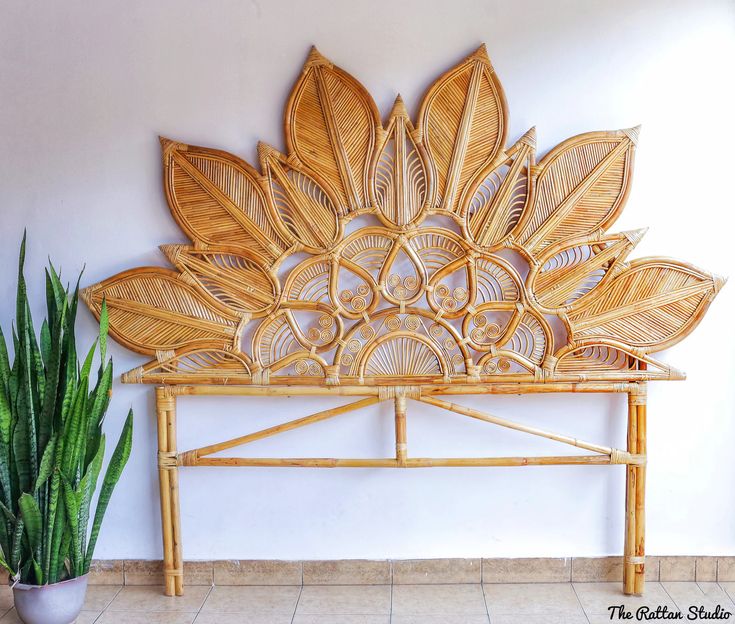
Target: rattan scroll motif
405	252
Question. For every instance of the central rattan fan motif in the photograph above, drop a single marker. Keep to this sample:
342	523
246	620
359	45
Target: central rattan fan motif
467	260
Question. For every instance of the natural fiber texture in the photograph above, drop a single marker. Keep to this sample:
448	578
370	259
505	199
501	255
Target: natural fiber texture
430	287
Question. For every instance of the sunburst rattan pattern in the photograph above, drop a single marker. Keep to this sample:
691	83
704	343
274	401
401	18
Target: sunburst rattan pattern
473	262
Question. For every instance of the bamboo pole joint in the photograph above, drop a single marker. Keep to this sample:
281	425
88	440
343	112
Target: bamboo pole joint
167	460
638	395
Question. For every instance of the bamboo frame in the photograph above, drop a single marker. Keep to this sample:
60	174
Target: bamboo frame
634	458
405	307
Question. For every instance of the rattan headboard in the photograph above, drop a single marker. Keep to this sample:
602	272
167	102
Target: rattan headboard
399	262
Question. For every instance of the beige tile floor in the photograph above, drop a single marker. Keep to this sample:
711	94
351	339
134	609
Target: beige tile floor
516	603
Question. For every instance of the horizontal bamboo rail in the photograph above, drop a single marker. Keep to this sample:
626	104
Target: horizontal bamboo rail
173	379
413	462
429	389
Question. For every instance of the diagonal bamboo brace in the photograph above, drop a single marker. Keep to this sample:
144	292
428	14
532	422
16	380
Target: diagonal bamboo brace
189	458
616	456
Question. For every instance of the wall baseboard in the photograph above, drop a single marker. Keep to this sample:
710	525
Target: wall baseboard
410	571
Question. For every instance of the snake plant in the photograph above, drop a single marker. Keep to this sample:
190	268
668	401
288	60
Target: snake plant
51	440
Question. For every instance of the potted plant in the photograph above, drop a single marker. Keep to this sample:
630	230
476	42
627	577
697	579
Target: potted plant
51	453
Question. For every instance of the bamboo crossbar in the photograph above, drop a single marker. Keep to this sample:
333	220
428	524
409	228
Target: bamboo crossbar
411	462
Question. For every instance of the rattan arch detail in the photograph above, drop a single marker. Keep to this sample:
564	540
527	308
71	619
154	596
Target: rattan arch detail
401	260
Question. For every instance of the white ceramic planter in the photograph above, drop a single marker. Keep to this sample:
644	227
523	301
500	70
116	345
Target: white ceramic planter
59	603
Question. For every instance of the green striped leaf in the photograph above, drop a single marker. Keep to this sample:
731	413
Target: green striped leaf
6	418
46	466
21	451
33	521
112	476
87	486
5	565
100	400
16	544
4	362
55	526
87	366
73	428
71	501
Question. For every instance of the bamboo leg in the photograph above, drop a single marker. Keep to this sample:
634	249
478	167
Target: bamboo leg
630	492
178	564
640	501
635	492
162	402
401	448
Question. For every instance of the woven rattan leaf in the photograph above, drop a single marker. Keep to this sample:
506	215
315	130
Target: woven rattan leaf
581	187
152	310
652	305
463	124
330	127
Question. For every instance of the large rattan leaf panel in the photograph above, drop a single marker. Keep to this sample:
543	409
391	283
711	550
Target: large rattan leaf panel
404	252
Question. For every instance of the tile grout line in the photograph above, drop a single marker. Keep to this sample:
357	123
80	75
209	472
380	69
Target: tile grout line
209	592
581	606
99	616
391	591
390	613
666	591
722	589
296	606
298	599
484	599
107	606
727	593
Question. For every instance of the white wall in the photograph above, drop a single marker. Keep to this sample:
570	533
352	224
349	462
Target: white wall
86	87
